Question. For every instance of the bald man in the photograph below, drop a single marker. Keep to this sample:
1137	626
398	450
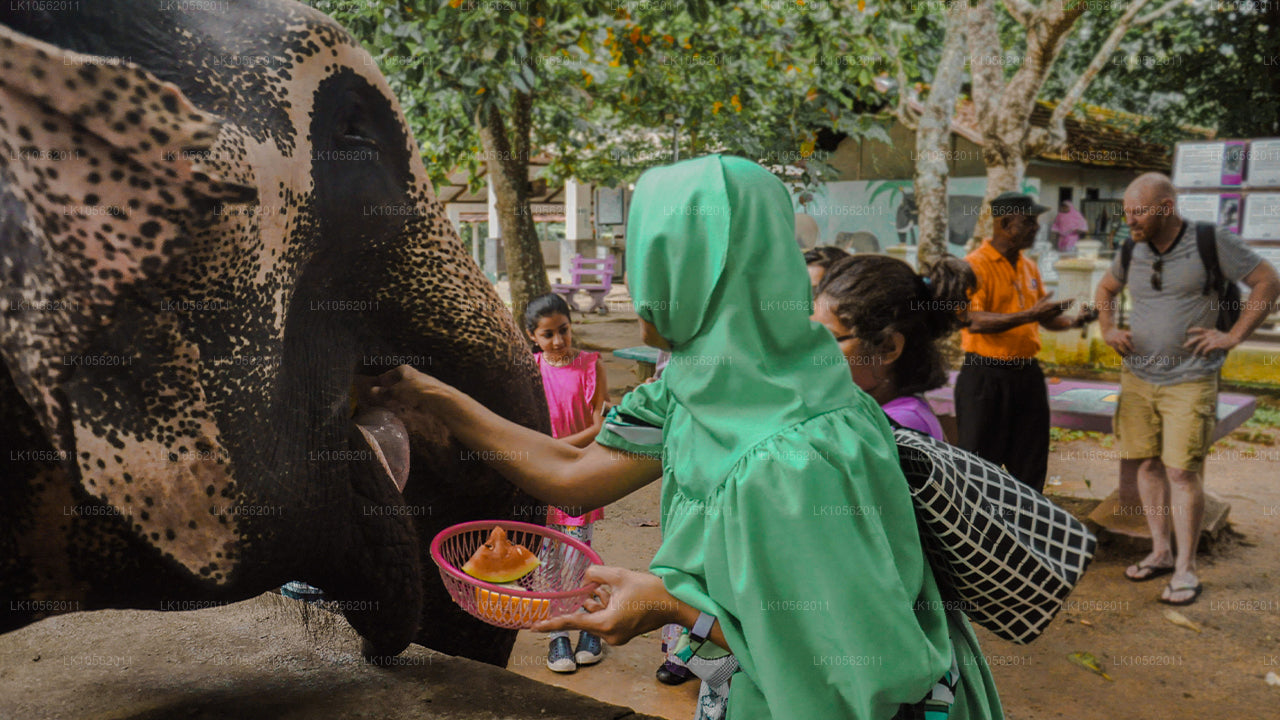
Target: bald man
1172	354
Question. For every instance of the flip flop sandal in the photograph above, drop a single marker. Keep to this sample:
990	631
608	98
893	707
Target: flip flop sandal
1155	572
1197	588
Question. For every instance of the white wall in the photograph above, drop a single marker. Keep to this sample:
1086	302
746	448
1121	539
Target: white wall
1109	183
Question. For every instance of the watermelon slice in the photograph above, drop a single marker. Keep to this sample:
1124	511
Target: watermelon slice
499	560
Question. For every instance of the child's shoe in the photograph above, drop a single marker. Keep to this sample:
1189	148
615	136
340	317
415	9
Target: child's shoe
670	673
590	650
560	656
299	590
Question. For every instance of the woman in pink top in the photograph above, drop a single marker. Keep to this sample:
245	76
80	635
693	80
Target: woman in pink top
887	321
576	387
1068	227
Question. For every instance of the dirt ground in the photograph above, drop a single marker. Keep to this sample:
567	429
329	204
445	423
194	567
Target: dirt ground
1158	670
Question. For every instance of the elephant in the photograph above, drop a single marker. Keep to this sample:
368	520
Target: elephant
216	230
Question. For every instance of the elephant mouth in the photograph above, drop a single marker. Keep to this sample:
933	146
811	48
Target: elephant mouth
375	572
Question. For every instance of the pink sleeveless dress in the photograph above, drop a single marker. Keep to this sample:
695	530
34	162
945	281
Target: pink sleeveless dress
570	390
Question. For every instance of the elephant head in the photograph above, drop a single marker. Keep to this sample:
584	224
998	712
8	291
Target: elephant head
214	221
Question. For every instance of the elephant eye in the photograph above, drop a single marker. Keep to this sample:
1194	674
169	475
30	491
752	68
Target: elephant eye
353	127
352	133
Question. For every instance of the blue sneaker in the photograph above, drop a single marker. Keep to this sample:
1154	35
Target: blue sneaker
299	590
560	656
590	649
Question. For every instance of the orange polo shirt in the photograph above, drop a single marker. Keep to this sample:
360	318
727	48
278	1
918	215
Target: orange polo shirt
1002	288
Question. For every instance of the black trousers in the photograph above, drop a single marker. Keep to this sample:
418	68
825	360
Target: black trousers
1002	414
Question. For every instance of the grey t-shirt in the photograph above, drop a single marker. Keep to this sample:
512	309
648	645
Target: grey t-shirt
1160	320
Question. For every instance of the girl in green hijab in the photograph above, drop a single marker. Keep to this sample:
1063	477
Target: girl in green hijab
785	515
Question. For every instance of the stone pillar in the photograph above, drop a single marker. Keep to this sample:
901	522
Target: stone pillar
579	235
905	253
1078	278
494	262
453	211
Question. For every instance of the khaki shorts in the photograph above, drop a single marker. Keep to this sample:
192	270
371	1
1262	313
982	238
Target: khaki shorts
1172	422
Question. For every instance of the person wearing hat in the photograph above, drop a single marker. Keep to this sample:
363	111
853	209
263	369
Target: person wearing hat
1002	404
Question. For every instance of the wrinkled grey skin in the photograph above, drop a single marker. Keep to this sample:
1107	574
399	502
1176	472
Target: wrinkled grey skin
212	223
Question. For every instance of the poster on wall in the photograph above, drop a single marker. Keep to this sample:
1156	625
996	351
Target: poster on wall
1229	211
1209	164
1233	162
609	206
1262	217
1270	253
1264	163
1199	207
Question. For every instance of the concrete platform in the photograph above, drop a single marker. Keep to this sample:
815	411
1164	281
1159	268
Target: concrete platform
1089	405
253	660
1128	520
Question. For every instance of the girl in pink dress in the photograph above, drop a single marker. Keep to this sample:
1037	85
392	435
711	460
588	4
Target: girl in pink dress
576	389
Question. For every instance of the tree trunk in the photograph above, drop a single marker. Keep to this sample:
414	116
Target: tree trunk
507	159
1004	109
933	144
987	73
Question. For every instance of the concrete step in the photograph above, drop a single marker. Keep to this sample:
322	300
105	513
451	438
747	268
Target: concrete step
255	660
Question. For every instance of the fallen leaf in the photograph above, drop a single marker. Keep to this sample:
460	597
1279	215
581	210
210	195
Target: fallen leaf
1087	661
1086	623
1180	620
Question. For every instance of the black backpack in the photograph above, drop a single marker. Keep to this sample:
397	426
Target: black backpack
1228	292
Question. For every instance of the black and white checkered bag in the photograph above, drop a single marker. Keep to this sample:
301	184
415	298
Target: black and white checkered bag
1005	553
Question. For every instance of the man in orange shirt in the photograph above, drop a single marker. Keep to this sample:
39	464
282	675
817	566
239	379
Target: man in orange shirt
1002	405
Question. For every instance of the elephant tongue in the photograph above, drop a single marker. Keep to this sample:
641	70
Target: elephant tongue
388	437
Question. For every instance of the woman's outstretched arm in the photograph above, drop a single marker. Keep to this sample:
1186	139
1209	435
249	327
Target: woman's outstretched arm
576	479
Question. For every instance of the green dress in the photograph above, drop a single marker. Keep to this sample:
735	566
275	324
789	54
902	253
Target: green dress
784	511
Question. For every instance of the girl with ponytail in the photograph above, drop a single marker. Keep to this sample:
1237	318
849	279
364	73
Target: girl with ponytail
888	320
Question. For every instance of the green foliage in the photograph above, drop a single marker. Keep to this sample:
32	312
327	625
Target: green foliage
1057	435
1264	417
612	80
1206	63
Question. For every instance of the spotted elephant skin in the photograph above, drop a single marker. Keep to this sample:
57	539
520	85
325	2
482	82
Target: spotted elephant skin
214	224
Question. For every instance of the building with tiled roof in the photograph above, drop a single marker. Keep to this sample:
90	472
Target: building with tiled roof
1103	154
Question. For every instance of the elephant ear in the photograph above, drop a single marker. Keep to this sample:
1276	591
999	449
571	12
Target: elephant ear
106	173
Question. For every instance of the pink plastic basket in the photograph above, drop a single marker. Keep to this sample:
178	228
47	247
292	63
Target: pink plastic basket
555	587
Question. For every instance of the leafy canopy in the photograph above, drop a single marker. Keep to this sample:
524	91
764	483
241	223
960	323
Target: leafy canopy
612	81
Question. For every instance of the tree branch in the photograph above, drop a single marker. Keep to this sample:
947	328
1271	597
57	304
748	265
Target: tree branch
903	111
1056	137
1040	140
1021	10
1048	31
1154	14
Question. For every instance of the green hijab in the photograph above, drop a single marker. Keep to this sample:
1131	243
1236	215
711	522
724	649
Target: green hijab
764	433
709	269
